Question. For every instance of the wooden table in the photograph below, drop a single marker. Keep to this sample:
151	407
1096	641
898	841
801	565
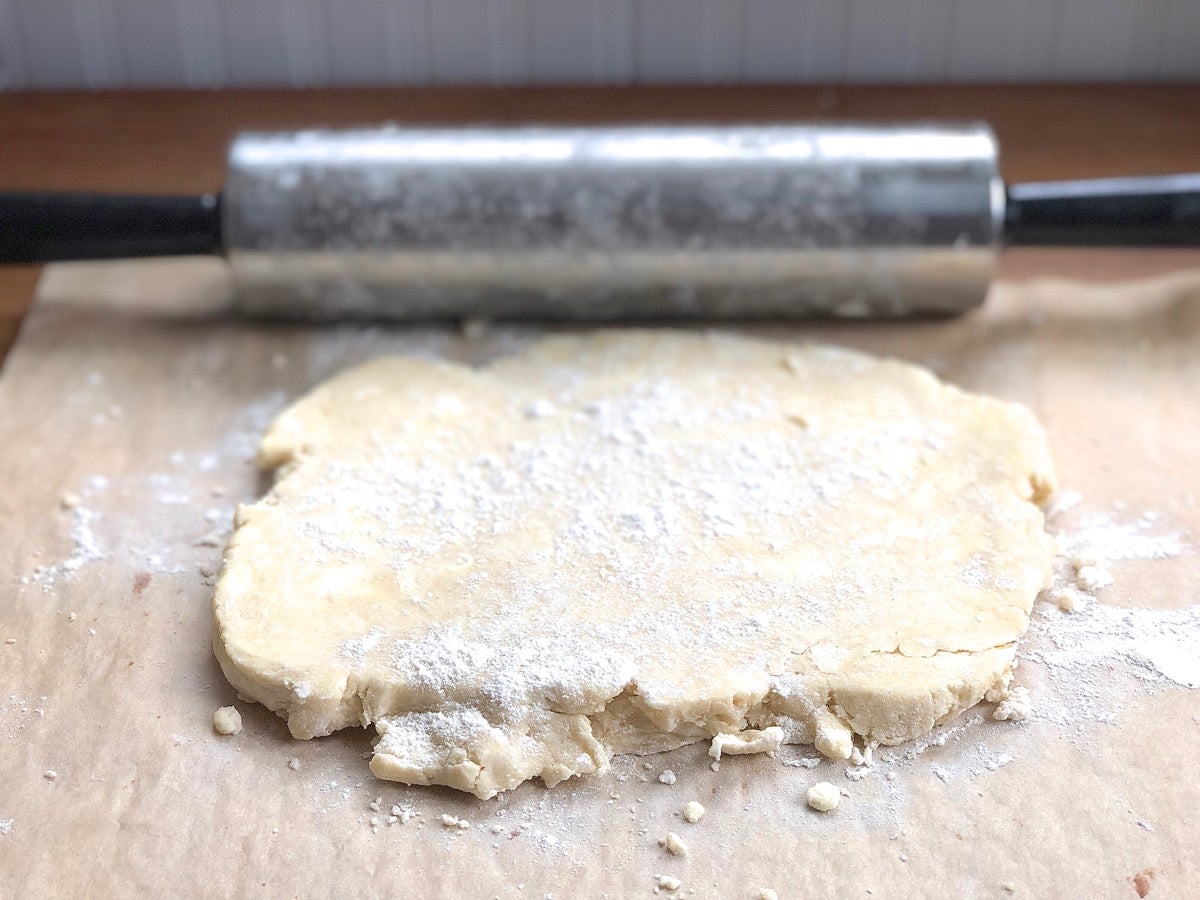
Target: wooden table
128	417
175	141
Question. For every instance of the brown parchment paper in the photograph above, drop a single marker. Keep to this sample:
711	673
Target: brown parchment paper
131	388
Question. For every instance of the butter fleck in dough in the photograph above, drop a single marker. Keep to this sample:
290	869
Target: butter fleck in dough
628	541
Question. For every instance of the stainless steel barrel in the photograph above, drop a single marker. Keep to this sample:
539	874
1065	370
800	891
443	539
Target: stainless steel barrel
615	222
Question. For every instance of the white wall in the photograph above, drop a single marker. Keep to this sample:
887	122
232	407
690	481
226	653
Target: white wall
118	43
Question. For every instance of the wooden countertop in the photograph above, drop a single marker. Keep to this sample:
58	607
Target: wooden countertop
175	140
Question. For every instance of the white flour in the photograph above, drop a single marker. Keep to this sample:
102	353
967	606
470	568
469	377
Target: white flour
85	546
1100	656
1100	535
187	519
17	714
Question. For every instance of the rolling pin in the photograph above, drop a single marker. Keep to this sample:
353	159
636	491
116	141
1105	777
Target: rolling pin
609	222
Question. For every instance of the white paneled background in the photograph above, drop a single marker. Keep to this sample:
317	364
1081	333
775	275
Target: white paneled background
213	43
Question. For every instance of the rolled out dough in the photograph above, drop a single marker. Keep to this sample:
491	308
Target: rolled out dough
629	541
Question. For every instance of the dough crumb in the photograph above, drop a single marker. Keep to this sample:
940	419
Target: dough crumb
1092	577
10	640
1082	560
227	720
744	742
50	775
1069	599
673	844
669	883
823	797
71	617
1008	887
69	500
667	776
834	738
693	811
1014	707
293	763
450	821
767	894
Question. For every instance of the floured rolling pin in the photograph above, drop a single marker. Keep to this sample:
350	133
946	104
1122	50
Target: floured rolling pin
733	221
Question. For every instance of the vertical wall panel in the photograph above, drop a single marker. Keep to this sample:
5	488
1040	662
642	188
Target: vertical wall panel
773	40
150	43
1094	38
722	39
358	35
201	34
825	40
984	42
881	42
50	39
509	49
1148	35
460	41
614	41
670	40
98	43
202	43
1041	25
12	50
1181	43
933	29
306	42
255	42
410	47
561	40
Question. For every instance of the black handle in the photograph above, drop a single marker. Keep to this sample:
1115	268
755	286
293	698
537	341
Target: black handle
1159	211
44	227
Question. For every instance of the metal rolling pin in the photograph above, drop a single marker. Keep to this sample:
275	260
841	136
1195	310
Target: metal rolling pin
611	222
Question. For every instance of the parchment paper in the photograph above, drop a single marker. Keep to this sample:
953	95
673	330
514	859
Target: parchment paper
131	389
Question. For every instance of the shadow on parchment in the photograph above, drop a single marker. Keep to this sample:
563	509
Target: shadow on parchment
170	299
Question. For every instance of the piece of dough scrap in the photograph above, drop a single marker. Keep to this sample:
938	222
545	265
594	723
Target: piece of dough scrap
629	541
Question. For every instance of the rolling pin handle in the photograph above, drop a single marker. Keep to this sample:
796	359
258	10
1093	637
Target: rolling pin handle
38	227
1157	211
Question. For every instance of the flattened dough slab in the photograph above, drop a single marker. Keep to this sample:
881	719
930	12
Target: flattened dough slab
629	541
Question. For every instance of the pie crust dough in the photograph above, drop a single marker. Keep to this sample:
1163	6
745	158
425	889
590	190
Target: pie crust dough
627	541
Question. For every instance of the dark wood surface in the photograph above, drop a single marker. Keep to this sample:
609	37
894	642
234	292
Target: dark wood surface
175	140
